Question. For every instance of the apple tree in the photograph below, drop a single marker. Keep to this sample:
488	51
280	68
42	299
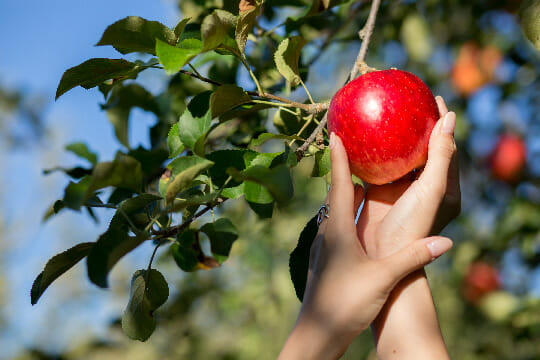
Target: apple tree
240	114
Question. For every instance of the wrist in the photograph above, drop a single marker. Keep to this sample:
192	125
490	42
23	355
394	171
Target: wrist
314	339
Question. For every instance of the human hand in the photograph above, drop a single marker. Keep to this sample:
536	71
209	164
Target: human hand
400	212
393	216
346	288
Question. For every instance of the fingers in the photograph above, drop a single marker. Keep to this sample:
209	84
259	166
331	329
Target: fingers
441	105
341	189
442	149
416	255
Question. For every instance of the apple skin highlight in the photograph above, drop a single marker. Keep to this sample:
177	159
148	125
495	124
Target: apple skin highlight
384	119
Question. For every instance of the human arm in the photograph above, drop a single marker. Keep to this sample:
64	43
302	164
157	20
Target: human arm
346	289
396	214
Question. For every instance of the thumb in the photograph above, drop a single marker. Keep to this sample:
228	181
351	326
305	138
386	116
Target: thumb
416	255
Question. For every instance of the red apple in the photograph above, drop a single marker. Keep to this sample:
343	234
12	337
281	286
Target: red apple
384	119
508	158
480	279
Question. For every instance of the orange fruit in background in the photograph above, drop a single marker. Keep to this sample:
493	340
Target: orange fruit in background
474	67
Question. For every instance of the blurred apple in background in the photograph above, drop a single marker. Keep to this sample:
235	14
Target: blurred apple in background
508	158
481	279
474	67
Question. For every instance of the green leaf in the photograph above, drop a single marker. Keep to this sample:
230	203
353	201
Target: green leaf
191	31
246	20
56	266
81	150
227	97
299	259
120	103
217	30
75	193
222	235
124	172
287	123
151	160
233	192
224	159
116	242
54	209
288	158
259	198
149	290
322	163
184	252
264	137
179	28
76	172
174	143
529	15
193	130
287	56
184	170
93	72
277	180
135	34
173	58
184	201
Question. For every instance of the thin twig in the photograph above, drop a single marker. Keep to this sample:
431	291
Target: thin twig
181	227
302	149
365	35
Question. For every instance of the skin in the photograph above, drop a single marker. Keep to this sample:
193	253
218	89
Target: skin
393	216
365	273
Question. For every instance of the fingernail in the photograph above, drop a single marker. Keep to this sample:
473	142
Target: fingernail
449	123
332	141
438	246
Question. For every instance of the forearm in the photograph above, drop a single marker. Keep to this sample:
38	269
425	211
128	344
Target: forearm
311	340
407	326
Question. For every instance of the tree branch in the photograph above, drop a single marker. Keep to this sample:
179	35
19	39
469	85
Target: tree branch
178	228
359	64
309	108
365	35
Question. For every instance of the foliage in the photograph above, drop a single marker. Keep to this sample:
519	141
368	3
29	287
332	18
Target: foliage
222	143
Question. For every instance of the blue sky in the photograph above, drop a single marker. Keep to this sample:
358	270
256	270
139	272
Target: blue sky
39	41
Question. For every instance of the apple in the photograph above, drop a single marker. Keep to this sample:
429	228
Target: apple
481	279
508	158
384	119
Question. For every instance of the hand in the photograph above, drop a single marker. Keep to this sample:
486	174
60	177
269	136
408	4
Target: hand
393	216
400	212
346	289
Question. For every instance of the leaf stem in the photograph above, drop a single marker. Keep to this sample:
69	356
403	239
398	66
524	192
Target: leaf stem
195	70
307	91
259	88
272	103
306	124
